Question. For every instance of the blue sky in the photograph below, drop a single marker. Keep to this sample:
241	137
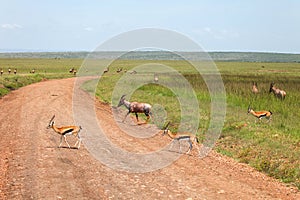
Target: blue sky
216	25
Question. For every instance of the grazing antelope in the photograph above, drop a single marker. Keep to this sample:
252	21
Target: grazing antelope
185	136
260	114
65	131
106	70
71	70
74	72
1	72
119	70
15	71
32	71
9	70
254	88
135	107
277	92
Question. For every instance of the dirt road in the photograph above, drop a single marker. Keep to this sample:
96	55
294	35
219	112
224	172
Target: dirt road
32	167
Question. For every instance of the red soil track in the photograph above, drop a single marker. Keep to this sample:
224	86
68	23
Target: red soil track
32	167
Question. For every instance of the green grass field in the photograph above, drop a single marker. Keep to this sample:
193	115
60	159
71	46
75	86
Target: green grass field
273	148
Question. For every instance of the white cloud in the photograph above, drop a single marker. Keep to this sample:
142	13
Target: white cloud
11	26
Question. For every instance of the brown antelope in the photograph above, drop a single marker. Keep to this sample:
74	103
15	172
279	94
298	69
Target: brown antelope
32	71
71	70
254	88
260	114
119	70
1	72
185	136
9	70
65	131
74	72
135	107
105	70
15	71
277	92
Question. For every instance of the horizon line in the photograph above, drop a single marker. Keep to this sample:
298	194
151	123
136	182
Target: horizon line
12	51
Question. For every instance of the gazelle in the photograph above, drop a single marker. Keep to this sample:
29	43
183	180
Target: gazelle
65	131
32	71
135	107
1	72
260	114
277	92
185	136
254	88
9	70
15	71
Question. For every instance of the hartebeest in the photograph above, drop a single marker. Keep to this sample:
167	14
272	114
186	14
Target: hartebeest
71	70
65	131
277	92
182	136
106	70
135	107
260	114
119	70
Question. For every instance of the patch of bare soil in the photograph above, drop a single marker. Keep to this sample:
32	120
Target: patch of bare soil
32	167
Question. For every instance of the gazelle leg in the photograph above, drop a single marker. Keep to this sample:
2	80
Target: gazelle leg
196	144
173	141
179	146
190	147
61	139
67	141
78	141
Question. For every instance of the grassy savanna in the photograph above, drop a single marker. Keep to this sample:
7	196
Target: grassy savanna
273	148
44	69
